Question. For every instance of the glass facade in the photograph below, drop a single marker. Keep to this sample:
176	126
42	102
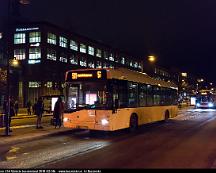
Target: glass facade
20	54
73	45
98	64
63	58
122	60
51	54
83	62
82	48
19	38
91	64
34	84
51	38
90	50
63	42
74	60
111	57
34	37
34	55
98	53
106	55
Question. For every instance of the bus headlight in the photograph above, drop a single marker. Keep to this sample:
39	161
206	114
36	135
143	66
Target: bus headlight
198	104
104	122
66	119
210	105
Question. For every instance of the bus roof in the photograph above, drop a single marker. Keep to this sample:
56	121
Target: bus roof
131	75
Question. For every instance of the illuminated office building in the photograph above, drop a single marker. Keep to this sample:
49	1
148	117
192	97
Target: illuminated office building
46	51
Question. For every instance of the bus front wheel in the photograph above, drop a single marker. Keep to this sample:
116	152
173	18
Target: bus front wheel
133	123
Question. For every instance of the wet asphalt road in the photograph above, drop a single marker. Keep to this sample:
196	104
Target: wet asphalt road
187	141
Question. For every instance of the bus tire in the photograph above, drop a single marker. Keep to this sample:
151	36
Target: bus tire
166	116
133	123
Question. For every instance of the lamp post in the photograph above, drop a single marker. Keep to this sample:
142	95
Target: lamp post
13	62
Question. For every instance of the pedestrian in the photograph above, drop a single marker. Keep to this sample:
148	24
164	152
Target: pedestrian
58	112
10	111
16	107
29	107
39	109
34	106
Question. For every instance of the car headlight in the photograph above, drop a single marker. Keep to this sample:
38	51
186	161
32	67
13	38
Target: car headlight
104	122
66	119
198	104
210	105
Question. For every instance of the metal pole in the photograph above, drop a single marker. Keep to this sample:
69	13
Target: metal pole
7	113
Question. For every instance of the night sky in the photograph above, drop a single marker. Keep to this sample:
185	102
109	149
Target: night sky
181	33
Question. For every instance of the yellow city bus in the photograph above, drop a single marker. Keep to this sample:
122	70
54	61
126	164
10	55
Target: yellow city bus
113	99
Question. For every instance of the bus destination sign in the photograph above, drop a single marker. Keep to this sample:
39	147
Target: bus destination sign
86	74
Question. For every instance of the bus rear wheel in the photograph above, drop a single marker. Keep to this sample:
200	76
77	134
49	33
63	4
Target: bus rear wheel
133	123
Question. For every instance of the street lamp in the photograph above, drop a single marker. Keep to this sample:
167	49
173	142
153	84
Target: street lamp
10	63
24	2
151	58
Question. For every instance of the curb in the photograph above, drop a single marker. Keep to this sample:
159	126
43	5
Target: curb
27	116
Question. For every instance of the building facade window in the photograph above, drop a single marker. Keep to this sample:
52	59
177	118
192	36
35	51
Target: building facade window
116	59
63	42
73	45
91	50
98	64
91	64
34	84
98	53
106	55
105	65
74	60
131	64
51	54
34	37
122	60
111	66
51	38
139	65
19	38
34	55
83	62
20	54
49	84
111	57
82	48
127	62
136	64
63	58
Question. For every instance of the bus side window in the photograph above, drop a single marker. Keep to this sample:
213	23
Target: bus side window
132	94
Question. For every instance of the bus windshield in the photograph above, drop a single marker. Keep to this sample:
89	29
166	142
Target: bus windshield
87	95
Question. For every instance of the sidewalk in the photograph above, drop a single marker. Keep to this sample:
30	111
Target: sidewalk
26	134
25	115
20	116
